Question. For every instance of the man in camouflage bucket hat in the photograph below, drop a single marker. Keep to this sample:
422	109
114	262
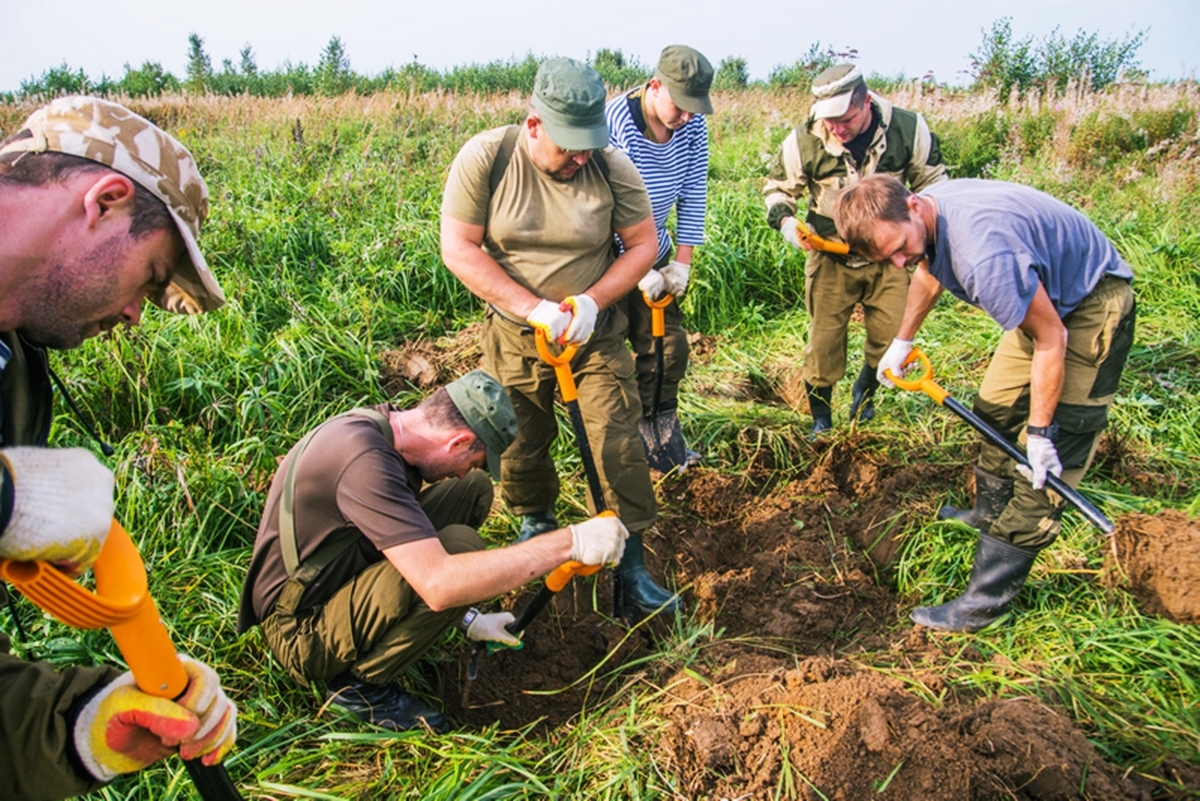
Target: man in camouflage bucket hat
99	210
358	568
850	133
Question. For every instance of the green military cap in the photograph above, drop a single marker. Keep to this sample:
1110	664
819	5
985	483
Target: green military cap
833	88
109	133
569	97
687	75
485	405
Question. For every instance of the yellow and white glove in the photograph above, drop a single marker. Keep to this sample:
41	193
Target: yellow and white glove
652	284
551	319
490	628
599	541
583	320
1043	461
122	729
787	227
676	275
62	506
893	359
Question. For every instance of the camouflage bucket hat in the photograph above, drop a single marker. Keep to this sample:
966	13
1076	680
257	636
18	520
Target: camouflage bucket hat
569	96
687	74
833	89
488	411
108	133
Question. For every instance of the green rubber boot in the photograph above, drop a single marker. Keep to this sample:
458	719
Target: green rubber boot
992	494
999	572
536	523
637	590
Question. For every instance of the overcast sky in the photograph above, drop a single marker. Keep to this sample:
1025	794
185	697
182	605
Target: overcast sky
913	37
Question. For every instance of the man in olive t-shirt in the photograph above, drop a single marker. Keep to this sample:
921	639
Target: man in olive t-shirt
358	568
534	240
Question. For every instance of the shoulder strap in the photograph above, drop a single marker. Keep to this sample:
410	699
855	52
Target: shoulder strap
287	506
503	157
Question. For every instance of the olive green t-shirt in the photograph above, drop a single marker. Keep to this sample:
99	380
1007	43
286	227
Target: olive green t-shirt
351	478
555	238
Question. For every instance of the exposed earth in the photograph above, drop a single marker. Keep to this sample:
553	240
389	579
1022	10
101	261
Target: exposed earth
813	680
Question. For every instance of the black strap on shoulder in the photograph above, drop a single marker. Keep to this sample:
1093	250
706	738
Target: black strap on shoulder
634	102
311	567
503	157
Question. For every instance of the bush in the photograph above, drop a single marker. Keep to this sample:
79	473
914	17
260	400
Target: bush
972	146
731	74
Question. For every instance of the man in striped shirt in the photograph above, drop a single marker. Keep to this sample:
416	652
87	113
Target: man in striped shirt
660	125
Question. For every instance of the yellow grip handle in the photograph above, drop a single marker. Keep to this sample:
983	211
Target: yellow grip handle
121	603
561	365
658	318
818	242
562	574
923	382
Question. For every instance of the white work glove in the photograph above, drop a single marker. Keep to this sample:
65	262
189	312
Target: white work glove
599	541
62	506
490	628
1043	459
583	321
122	729
551	318
787	227
893	359
676	276
653	285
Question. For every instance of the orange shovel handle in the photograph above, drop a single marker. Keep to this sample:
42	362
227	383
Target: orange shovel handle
561	365
658	318
818	242
923	382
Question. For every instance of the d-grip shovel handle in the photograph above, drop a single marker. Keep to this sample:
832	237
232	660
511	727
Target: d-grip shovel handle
925	383
122	604
818	242
658	317
561	364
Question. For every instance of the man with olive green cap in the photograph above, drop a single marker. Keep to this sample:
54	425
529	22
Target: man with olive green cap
850	133
528	219
358	568
660	125
99	211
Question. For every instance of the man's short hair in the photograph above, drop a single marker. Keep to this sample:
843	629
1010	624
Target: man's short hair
443	415
40	169
859	95
859	209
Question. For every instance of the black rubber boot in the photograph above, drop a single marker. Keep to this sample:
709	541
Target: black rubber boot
992	494
384	705
999	572
862	403
639	591
663	439
536	523
818	404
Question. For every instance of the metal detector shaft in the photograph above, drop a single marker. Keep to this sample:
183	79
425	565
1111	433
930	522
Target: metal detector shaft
926	384
122	604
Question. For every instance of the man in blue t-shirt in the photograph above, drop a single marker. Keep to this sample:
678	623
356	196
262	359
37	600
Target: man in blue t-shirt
1063	296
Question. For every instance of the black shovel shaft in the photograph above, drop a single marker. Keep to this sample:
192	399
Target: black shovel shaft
585	453
544	596
658	376
212	781
1085	507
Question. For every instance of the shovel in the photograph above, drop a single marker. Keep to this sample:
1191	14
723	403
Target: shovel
925	383
667	451
818	242
122	604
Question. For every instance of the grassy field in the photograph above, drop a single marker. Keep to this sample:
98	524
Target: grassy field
324	235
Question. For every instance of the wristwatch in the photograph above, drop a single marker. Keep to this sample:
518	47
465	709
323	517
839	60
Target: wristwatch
1050	432
468	619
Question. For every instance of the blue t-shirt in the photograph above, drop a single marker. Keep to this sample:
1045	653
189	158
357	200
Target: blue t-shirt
996	241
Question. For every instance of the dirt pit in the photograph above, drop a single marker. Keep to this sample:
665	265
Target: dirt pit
795	581
1157	559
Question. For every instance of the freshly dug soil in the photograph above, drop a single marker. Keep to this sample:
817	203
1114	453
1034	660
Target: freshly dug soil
1157	559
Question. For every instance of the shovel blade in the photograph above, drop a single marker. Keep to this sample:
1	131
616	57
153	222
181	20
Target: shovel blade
663	439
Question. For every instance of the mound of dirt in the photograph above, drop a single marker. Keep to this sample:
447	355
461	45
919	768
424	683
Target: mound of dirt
831	728
427	364
1157	559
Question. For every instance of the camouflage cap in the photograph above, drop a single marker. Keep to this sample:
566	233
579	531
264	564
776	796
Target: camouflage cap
687	74
114	136
488	411
569	97
833	88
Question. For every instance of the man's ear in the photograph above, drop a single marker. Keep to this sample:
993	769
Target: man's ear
110	193
461	440
914	205
531	125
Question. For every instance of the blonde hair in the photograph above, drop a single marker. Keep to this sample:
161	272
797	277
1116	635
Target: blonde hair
859	209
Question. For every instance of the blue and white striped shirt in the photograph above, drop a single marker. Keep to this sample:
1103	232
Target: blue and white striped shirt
676	173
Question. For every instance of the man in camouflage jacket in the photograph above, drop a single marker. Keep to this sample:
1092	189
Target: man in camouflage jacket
851	133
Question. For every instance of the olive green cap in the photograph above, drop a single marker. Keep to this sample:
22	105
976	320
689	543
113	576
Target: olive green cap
569	96
486	407
687	74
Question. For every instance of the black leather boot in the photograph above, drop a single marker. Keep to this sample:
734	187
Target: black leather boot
862	403
992	494
999	572
638	590
818	404
536	523
384	705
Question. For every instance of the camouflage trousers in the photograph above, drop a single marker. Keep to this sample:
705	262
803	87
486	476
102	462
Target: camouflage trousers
831	289
376	625
608	402
1099	336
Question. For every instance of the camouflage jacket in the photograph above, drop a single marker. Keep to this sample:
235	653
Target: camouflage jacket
813	160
